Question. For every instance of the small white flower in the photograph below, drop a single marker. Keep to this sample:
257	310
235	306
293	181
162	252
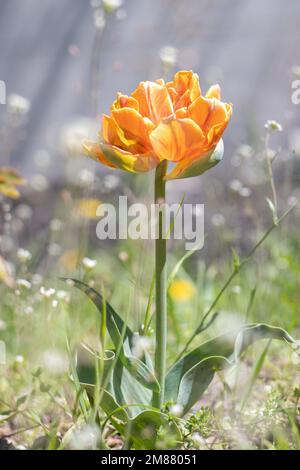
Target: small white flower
54	249
55	361
56	225
39	183
19	359
99	20
47	293
24	255
88	264
123	256
28	310
37	279
141	344
63	295
245	192
17	104
85	438
111	5
169	56
176	410
111	182
292	201
198	439
296	358
235	185
24	283
272	125
218	220
24	211
236	289
70	282
86	177
296	71
245	151
54	303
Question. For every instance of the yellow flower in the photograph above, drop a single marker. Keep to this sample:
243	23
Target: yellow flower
87	208
164	121
70	259
5	274
9	179
182	290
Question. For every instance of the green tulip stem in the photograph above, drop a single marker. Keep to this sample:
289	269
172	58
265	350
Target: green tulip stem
160	287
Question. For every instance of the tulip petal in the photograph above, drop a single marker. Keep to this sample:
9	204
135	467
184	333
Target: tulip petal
93	150
176	139
134	127
217	123
195	167
124	101
186	87
133	163
200	110
214	92
212	116
111	131
154	101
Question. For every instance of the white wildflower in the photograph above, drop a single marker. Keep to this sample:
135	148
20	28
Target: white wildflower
28	310
88	264
63	295
55	361
17	104
47	293
141	344
168	56
24	255
176	410
19	359
111	5
272	125
24	283
85	438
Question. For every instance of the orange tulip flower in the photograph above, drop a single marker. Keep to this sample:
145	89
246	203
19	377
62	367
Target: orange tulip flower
164	121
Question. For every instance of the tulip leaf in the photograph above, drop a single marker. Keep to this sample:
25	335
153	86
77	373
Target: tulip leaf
145	426
128	390
122	337
196	380
85	366
229	345
108	402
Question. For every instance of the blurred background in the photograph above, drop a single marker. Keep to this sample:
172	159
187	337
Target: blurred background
69	65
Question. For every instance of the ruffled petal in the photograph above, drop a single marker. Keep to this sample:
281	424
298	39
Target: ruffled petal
93	150
212	116
200	110
214	92
176	139
218	127
184	89
133	163
154	101
134	127
124	101
197	165
110	131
